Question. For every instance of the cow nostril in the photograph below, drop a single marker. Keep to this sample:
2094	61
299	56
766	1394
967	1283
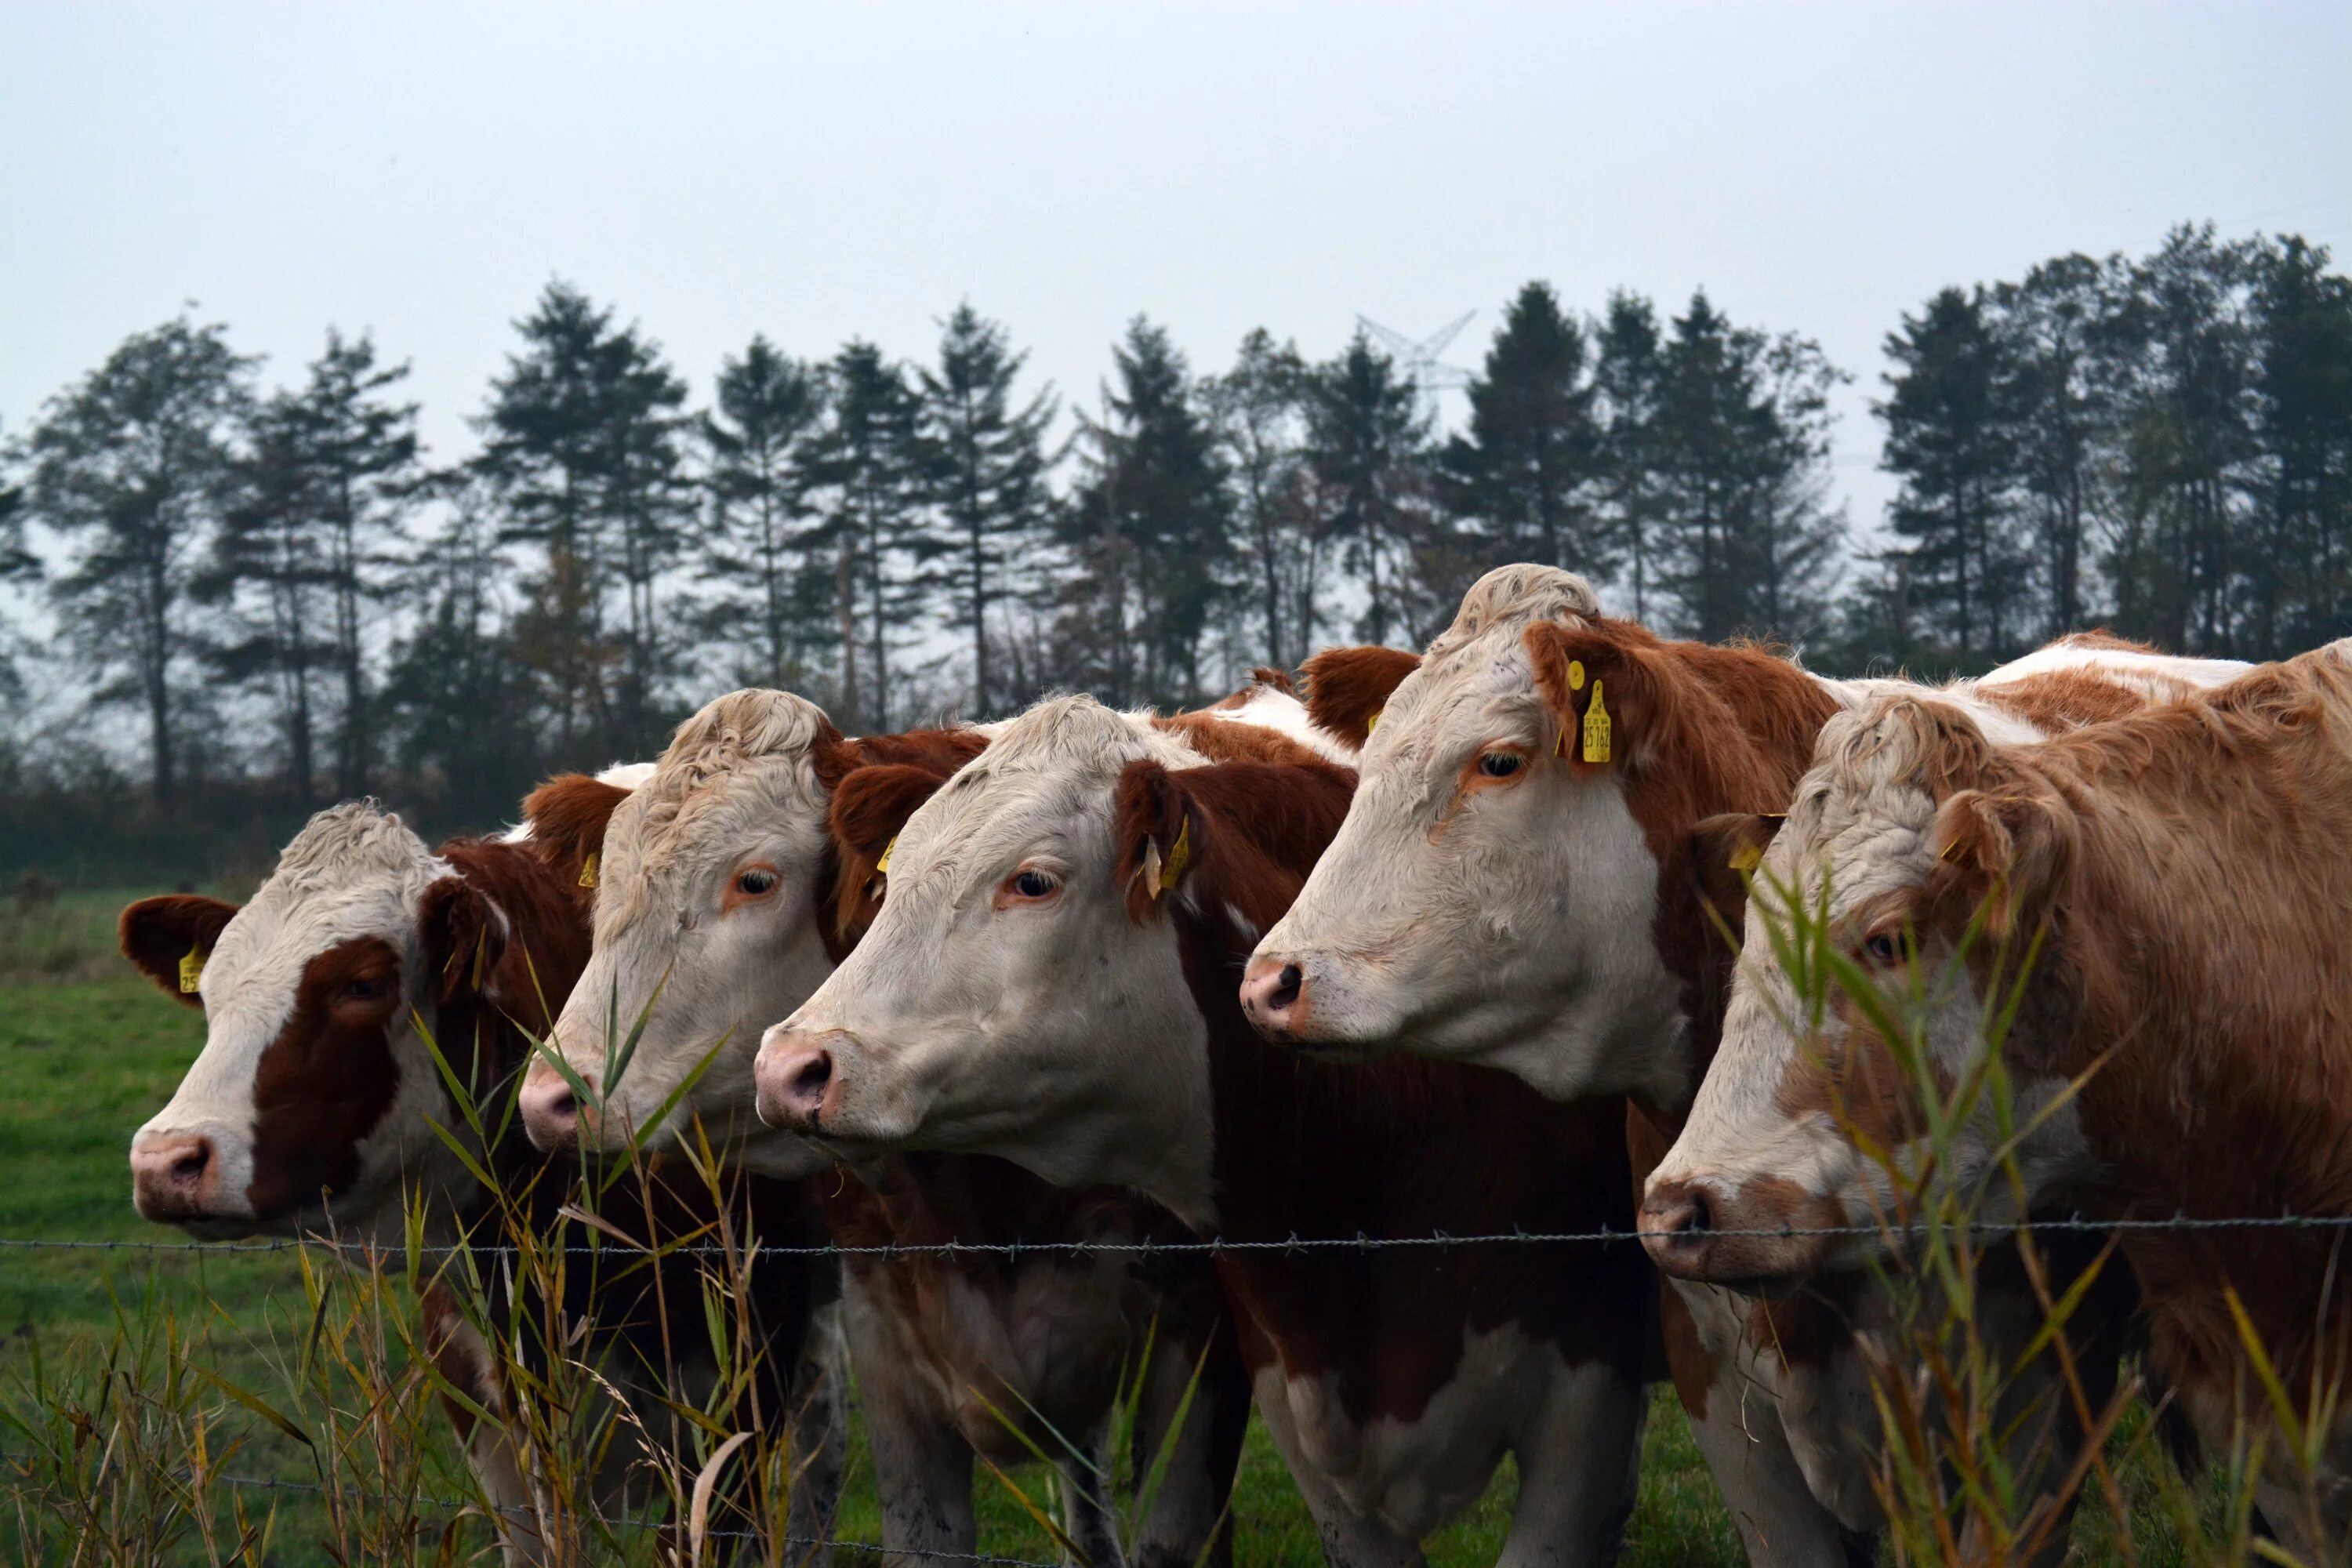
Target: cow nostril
563	1107
189	1169
1286	987
808	1080
1698	1217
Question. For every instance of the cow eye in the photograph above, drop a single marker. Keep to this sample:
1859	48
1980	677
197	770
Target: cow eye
756	882
1500	764
362	990
1035	884
1885	948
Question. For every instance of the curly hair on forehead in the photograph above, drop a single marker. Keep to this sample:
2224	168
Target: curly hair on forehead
356	837
1516	595
1914	741
727	732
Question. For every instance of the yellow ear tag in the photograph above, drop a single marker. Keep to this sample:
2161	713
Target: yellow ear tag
1179	857
1373	723
191	970
1596	728
1747	857
883	865
1576	674
588	870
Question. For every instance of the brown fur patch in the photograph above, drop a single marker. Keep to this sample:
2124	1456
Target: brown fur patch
1346	687
568	816
1401	1147
156	933
327	1079
1227	740
2062	699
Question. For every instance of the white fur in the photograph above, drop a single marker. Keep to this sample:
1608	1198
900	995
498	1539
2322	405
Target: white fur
1271	707
1046	1033
736	786
354	871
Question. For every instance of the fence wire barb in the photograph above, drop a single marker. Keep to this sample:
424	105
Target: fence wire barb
1292	1244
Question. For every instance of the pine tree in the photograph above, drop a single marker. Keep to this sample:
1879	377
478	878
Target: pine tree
2049	329
1741	441
2303	422
316	534
131	465
1368	447
1148	530
988	462
1948	437
1628	369
584	446
759	550
1524	475
871	464
1258	410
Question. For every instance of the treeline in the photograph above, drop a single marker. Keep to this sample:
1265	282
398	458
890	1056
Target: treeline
296	601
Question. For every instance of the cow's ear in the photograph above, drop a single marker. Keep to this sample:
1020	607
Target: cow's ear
1610	696
1348	687
869	807
1724	853
2007	853
1156	838
568	816
464	937
170	937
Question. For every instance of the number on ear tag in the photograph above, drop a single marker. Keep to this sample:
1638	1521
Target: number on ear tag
192	971
1596	728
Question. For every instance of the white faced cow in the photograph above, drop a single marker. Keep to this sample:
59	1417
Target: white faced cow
1517	885
729	884
2179	869
1049	979
313	1104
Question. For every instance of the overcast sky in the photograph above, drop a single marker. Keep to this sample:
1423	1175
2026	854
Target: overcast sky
812	174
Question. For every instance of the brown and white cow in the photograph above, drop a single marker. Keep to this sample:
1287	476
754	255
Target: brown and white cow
730	883
1050	979
1516	886
313	1107
2178	1046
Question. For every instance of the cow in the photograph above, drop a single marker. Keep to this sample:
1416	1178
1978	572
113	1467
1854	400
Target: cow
1516	886
2160	899
1050	979
731	883
316	1107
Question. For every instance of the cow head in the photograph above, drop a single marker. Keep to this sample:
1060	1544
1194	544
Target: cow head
1491	895
711	918
1924	864
1004	1001
314	1100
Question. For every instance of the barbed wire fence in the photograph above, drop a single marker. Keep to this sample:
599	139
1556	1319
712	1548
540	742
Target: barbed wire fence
15	1462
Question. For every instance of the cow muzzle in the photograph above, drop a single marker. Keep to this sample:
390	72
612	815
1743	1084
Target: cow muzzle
176	1179
553	1114
1763	1236
796	1079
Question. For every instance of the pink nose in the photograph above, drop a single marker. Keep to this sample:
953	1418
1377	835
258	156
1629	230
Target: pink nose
174	1175
794	1079
1273	995
550	1111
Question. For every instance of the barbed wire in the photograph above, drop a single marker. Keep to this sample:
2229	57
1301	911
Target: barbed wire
521	1514
1359	1242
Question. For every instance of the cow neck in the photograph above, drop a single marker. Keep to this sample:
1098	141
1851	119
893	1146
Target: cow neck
2224	1088
1744	725
1404	1148
545	948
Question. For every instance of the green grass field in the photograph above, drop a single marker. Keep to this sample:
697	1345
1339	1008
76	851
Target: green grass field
87	1051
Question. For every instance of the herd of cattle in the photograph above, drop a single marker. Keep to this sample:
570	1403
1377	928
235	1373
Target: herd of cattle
1439	949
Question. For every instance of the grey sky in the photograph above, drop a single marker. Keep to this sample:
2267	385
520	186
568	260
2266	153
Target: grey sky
812	174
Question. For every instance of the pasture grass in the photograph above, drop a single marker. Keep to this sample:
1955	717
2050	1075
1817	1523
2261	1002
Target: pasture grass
84	1061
